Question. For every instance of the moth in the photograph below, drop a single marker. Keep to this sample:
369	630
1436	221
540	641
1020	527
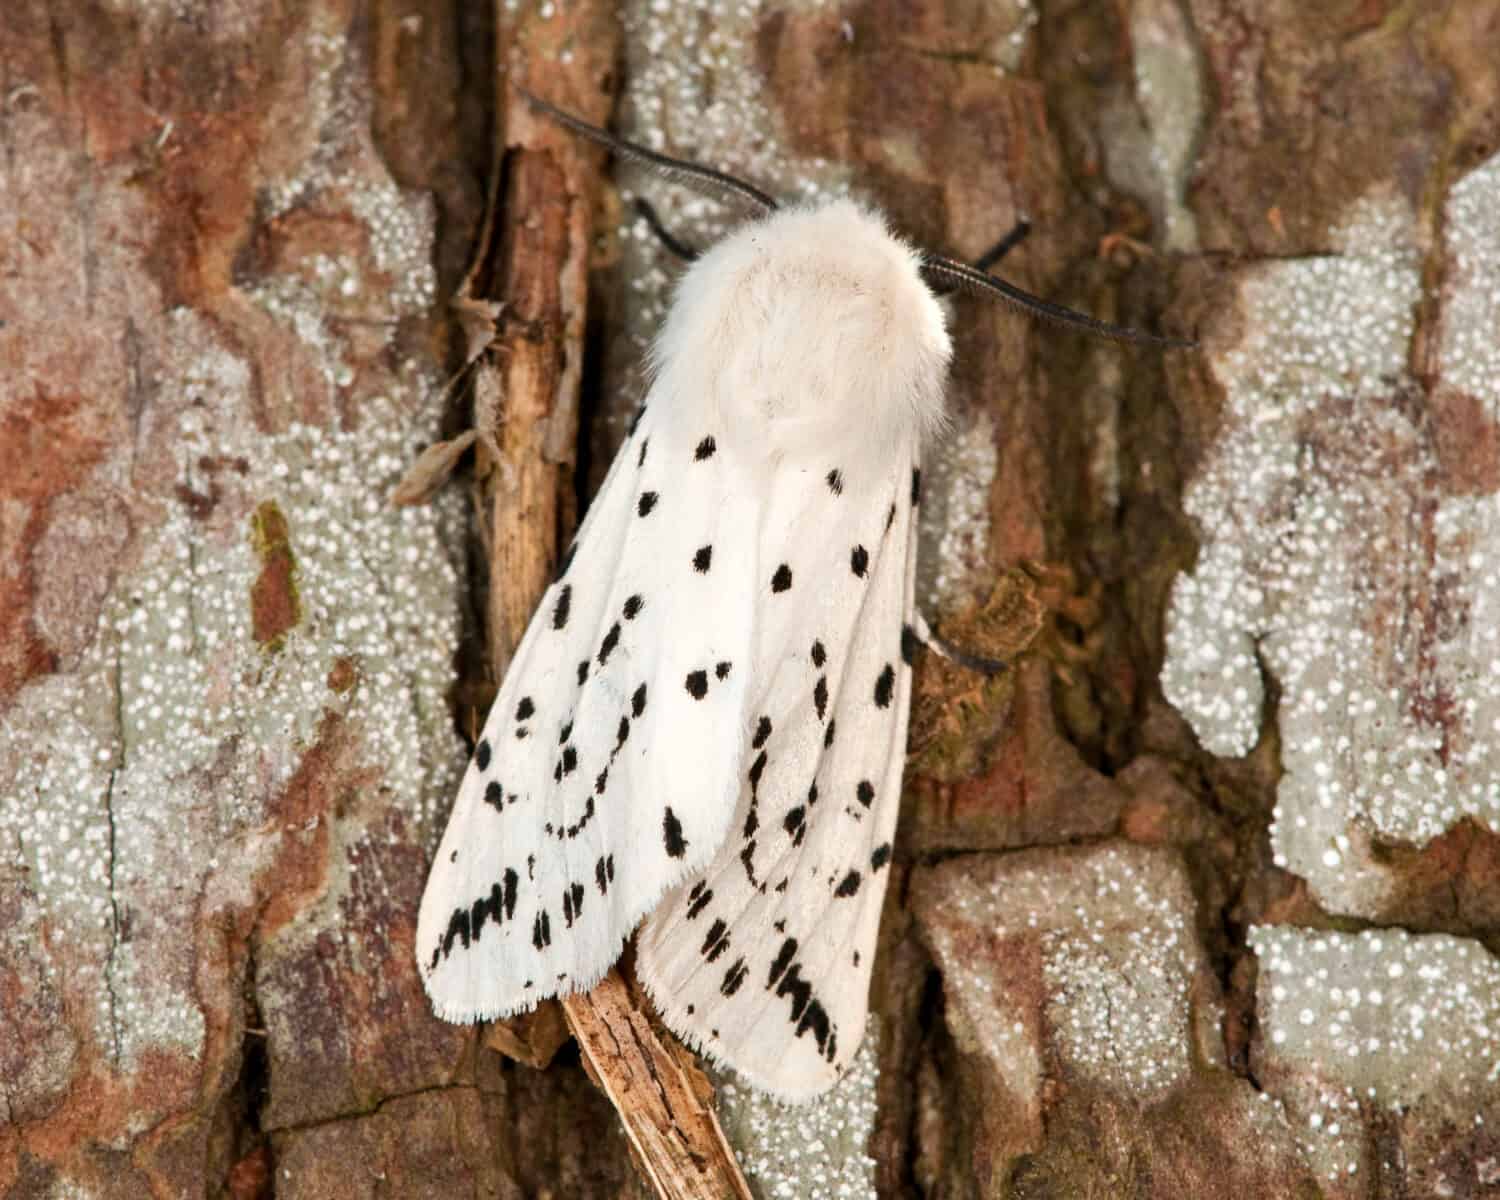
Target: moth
703	731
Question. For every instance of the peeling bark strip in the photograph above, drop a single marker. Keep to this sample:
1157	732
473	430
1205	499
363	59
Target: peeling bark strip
534	257
679	1146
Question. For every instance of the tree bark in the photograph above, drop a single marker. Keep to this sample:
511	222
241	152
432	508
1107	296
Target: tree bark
1199	898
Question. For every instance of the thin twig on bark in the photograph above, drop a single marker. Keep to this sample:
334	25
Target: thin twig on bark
533	259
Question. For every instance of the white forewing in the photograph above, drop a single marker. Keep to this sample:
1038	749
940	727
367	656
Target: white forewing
726	653
764	961
574	816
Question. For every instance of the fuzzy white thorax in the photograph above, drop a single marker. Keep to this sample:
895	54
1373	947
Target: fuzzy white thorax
808	329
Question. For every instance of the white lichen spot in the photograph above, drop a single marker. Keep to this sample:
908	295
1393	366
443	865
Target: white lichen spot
1414	1024
1169	93
1332	558
1118	958
178	729
141	784
810	1151
954	520
1469	349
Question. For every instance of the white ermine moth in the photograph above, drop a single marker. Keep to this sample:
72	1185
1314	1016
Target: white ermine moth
705	723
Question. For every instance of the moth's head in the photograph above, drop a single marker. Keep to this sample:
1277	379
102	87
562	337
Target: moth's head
815	320
815	323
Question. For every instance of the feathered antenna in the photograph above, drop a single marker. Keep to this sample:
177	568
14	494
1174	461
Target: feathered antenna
951	273
694	175
944	273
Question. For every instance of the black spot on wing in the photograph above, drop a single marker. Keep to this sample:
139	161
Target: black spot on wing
696	684
607	646
734	977
705	449
572	902
717	940
865	792
541	930
641	461
795	823
781	581
747	860
564	734
828	733
819	655
703	559
698	899
721	670
646	503
884	686
908	644
583	671
859	561
494	795
756	768
916	486
671	833
762	732
573	831
482	755
848	886
820	695
604	873
498	906
564	603
633	607
889	517
782	961
881	856
638	701
808	1014
457	931
836	482
525	709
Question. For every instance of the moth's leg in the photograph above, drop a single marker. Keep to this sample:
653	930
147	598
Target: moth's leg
681	249
973	662
1004	246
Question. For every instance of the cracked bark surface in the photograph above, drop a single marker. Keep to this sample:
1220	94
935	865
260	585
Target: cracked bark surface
236	683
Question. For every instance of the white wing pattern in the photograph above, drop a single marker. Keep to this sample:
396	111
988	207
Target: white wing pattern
763	962
710	704
572	820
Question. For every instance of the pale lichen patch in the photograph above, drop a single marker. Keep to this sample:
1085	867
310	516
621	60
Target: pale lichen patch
1332	558
1111	933
808	1151
140	783
1353	1024
1469	351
